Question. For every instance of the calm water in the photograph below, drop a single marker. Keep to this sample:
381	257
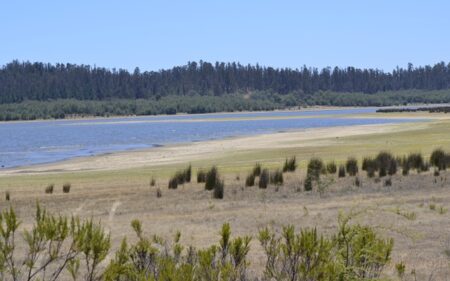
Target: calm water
26	143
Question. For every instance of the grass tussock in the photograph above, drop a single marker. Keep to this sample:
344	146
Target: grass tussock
49	188
66	187
290	165
276	177
250	180
264	179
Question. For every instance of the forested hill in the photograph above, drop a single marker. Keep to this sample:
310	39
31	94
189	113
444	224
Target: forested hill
21	81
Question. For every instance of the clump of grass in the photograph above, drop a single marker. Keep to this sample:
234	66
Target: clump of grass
442	210
400	268
290	165
212	177
408	215
315	167
201	176
357	181
257	170
49	188
158	193
250	180
331	168
308	185
351	166
218	190
7	196
341	172
66	187
439	159
432	206
388	182
436	173
276	177
369	165
152	181
173	183
264	179
415	161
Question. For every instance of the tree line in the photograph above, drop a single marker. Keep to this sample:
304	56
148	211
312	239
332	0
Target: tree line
20	81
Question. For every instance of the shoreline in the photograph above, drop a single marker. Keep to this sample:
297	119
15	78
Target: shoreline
201	150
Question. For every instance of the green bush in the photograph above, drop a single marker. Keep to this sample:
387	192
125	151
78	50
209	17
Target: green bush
341	172
173	183
250	180
276	177
7	196
331	168
66	187
415	161
49	188
308	184
257	170
290	165
201	176
264	179
439	159
351	166
218	189
314	169
212	177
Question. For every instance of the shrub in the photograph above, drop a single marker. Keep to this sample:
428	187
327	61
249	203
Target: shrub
290	165
392	170
201	176
384	160
250	180
188	173
331	168
173	183
388	182
264	179
405	166
66	187
218	189
158	193
49	188
415	161
308	184
436	173
152	182
341	172
382	172
351	166
425	167
212	177
315	167
370	165
276	177
257	170
7	196
439	159
357	182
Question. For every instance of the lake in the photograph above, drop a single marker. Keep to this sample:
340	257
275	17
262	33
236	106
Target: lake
37	142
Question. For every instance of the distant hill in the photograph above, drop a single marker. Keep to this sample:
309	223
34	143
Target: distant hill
38	90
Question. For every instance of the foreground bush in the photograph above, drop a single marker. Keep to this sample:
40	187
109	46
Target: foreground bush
58	248
66	187
314	169
49	189
180	177
257	170
218	190
439	159
201	176
331	168
341	172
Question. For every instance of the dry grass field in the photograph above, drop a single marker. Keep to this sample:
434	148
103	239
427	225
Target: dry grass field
414	210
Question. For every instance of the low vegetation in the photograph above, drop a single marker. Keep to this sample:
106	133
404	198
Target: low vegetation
290	165
66	187
57	247
49	188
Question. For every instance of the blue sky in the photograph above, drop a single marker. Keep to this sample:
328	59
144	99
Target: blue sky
160	34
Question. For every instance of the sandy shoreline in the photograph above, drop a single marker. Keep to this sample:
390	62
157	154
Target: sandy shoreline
186	152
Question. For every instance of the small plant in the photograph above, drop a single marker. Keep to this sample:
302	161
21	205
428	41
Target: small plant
201	176
388	182
7	196
49	188
308	184
173	183
436	173
66	187
357	181
276	177
264	179
351	166
158	193
218	189
442	210
400	268
432	206
250	180
415	161
331	168
439	159
341	172
212	177
290	165
315	167
257	170
152	181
